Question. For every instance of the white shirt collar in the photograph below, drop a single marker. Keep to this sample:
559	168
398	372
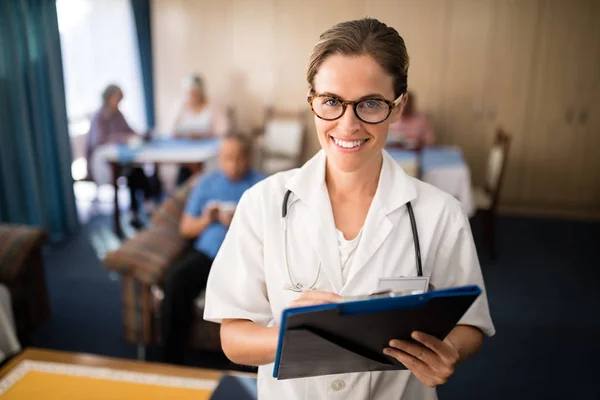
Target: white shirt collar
394	190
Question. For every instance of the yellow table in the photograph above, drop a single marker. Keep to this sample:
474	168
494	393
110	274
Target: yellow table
48	375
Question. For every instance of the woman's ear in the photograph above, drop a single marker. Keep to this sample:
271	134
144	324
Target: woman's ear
397	111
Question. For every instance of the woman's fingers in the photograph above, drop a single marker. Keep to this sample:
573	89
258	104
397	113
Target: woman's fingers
446	352
419	369
417	351
328	297
431	360
314	297
306	303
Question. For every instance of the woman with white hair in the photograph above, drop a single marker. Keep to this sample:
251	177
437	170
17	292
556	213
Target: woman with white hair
197	118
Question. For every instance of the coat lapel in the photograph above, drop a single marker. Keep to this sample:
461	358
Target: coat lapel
394	190
320	229
308	186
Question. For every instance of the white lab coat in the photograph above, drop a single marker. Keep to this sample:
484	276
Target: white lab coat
249	274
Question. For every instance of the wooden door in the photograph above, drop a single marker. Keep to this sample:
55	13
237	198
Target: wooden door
556	151
586	171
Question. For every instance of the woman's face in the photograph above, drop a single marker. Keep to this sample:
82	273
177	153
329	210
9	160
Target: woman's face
194	96
352	78
114	100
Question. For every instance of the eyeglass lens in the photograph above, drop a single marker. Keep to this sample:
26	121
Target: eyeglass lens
369	110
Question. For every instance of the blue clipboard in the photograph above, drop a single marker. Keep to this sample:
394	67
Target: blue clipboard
350	337
236	387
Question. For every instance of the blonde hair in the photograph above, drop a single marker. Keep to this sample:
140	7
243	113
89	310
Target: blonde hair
194	82
366	36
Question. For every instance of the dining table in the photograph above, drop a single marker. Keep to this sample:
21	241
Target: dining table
444	167
109	161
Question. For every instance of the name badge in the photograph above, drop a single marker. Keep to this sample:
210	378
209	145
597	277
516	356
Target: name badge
402	284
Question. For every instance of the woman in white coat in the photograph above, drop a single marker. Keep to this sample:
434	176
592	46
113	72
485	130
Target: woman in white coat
348	230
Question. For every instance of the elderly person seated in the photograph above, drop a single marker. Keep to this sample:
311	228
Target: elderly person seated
197	118
109	126
207	216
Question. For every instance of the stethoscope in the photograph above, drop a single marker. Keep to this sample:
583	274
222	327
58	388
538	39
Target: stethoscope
298	287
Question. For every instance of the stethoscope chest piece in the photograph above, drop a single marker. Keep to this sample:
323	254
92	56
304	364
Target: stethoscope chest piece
296	288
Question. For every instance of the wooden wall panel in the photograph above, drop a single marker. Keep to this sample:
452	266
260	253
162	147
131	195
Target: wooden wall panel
189	37
298	25
586	169
555	147
529	66
253	82
422	25
510	69
463	80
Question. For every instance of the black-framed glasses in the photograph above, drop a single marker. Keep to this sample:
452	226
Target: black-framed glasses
370	111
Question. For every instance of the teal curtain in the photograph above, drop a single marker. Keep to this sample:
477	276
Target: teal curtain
141	15
36	187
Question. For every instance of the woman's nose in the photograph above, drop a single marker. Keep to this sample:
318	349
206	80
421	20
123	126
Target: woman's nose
349	122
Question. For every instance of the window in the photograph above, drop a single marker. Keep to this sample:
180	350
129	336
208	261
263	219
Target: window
99	47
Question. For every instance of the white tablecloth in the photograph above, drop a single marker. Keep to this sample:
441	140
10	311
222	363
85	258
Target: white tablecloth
456	181
167	151
444	168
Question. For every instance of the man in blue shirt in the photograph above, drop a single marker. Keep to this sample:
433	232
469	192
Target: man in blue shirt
207	216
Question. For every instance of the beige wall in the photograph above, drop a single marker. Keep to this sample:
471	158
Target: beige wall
254	52
475	65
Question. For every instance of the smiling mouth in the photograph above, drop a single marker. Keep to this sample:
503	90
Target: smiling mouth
349	144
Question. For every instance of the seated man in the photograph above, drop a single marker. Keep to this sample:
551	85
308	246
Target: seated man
206	219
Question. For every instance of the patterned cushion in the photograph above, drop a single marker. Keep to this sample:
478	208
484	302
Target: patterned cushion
16	243
148	254
169	212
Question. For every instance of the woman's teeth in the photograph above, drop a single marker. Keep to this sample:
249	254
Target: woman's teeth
348	145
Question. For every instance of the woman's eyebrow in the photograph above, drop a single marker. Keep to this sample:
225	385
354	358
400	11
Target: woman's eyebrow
372	96
368	96
329	94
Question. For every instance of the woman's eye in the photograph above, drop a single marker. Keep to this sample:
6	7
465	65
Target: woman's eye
332	102
372	104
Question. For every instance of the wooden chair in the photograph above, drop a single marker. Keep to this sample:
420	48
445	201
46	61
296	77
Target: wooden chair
281	140
487	197
142	262
22	272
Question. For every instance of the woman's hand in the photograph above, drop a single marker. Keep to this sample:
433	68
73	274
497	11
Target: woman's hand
431	360
314	297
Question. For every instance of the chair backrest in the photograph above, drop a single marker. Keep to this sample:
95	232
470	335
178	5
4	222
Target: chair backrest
283	135
496	167
283	138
